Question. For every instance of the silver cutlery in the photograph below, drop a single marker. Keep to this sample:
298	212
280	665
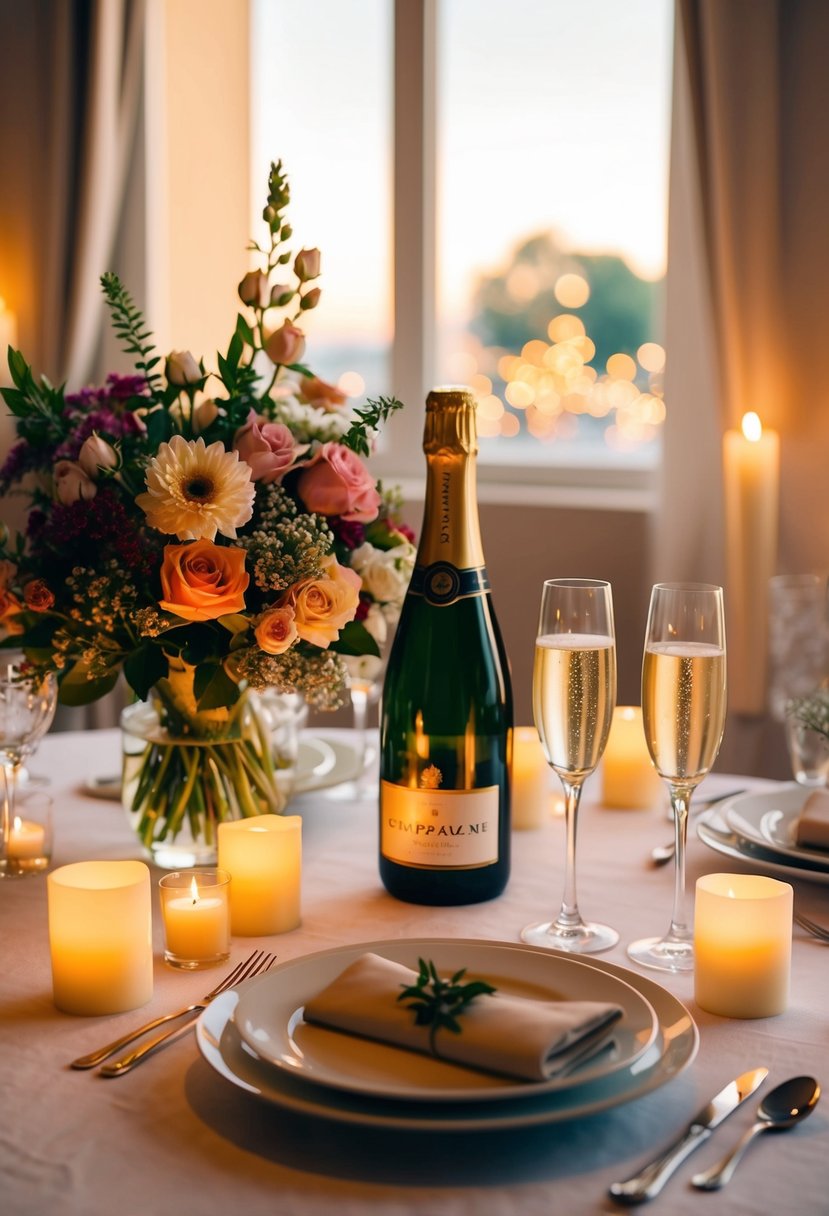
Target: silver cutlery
250	966
662	854
650	1180
821	932
786	1105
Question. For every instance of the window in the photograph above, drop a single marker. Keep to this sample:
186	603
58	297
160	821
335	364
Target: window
531	143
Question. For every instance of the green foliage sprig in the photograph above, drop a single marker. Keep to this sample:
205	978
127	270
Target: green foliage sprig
128	322
439	1003
811	712
369	419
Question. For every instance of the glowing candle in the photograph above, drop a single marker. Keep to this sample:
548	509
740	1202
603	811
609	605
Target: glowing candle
8	337
194	906
530	779
629	780
263	855
100	935
751	470
26	839
742	945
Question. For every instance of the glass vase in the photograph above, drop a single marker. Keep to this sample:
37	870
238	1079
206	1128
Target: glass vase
185	771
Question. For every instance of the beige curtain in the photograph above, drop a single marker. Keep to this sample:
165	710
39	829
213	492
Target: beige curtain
748	306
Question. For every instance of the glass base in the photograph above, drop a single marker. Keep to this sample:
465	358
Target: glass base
21	867
582	938
663	954
183	856
194	964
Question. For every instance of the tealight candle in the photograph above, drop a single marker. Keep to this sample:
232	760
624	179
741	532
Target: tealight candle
629	779
194	906
263	854
27	845
742	945
530	779
100	936
25	839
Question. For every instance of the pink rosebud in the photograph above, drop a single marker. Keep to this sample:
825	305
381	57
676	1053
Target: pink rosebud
336	482
307	264
268	447
71	483
311	299
286	344
96	454
253	289
181	368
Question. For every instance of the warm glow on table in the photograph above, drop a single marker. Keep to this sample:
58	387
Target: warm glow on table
530	779
196	917
629	780
263	855
742	945
26	839
751	473
100	935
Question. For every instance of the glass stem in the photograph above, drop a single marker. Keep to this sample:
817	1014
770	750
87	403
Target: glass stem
359	708
9	791
680	803
569	916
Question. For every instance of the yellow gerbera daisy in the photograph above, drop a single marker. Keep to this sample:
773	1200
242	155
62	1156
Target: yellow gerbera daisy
195	491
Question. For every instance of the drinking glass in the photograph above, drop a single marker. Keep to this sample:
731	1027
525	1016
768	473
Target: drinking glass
574	693
27	707
683	709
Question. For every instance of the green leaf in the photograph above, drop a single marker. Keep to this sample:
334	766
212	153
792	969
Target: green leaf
355	639
244	330
144	668
368	419
234	622
76	688
215	689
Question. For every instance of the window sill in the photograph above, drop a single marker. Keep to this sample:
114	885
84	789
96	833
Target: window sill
636	499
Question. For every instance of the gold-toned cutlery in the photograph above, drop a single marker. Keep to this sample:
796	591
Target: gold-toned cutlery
254	964
821	932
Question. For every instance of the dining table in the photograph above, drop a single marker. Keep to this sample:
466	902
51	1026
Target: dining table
174	1137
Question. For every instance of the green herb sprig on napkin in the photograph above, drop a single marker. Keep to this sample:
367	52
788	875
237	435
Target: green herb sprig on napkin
439	1003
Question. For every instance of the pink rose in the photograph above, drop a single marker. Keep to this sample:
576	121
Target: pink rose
307	264
286	344
268	447
72	483
336	482
97	454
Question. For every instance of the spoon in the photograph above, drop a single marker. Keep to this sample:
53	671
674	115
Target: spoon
784	1106
663	853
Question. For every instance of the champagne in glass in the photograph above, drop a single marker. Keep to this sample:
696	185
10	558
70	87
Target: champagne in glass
683	710
574	692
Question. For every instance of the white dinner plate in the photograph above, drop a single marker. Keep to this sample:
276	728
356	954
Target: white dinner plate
269	1018
715	833
676	1045
769	819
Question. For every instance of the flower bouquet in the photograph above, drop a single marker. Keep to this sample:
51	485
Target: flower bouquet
202	532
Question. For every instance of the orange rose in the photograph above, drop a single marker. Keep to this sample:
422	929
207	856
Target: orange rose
202	581
38	596
276	631
323	606
9	607
320	393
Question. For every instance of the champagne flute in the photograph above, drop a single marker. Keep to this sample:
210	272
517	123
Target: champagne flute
574	692
27	707
683	710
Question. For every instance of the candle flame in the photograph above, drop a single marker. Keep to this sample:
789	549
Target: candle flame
18	824
752	426
628	713
194	890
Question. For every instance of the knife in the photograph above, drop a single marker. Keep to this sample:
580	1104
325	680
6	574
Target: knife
650	1181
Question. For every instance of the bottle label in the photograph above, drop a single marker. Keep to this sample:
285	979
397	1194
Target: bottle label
442	584
439	829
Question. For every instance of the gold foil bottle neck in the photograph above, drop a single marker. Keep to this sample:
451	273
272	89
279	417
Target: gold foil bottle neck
450	422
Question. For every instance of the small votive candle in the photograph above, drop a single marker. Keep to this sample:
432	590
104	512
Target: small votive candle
263	854
100	936
196	915
629	780
27	848
530	779
742	945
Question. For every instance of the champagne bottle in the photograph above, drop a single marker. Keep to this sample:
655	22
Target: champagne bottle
446	718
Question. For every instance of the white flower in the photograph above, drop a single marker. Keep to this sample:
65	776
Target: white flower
195	491
386	573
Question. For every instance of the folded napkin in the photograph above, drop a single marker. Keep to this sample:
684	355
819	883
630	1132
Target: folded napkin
813	823
511	1035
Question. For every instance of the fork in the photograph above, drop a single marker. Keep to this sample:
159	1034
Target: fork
250	966
821	932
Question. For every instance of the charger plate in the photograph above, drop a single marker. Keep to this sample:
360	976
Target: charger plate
673	1050
269	1019
714	832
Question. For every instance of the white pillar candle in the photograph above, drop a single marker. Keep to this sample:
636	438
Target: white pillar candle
263	856
742	945
751	475
530	779
26	839
194	906
100	936
629	780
